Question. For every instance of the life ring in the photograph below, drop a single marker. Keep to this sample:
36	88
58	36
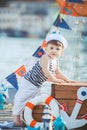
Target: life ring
44	98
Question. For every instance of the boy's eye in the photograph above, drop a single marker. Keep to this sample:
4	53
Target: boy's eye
51	47
57	49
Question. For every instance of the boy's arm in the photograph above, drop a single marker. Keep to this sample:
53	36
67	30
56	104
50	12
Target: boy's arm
60	75
44	64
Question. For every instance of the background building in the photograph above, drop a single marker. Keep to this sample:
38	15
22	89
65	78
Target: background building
31	17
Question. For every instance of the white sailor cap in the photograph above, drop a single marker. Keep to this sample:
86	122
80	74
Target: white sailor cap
56	36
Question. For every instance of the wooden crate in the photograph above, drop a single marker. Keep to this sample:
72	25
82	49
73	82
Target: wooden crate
64	94
67	94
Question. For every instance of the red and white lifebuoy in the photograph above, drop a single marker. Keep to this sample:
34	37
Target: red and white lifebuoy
44	98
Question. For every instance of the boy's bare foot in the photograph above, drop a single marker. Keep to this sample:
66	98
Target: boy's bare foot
18	122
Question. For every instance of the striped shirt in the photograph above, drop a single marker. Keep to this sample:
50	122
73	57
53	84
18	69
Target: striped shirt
36	75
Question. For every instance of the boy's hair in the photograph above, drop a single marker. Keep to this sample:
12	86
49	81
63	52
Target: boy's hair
55	42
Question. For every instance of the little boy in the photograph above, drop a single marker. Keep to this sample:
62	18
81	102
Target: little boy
45	69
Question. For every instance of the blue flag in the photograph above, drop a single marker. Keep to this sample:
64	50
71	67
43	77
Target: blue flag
76	1
60	22
13	80
39	52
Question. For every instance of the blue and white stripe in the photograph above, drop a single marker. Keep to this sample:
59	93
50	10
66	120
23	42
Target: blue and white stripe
36	75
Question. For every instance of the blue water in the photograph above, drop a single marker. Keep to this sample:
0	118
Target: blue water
15	51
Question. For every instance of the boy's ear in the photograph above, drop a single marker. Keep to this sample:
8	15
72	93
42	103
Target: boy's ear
62	51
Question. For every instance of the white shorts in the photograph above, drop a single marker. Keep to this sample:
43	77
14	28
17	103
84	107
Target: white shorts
26	91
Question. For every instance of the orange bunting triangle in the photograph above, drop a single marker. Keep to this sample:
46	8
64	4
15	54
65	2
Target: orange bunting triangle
68	11
21	71
62	3
43	44
73	7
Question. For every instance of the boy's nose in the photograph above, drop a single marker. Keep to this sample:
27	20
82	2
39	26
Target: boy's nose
54	50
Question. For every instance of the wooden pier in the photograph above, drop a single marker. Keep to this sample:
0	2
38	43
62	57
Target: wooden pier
6	115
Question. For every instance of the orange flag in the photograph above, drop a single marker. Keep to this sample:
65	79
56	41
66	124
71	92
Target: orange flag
21	71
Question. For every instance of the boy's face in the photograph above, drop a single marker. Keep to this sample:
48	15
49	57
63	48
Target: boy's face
54	50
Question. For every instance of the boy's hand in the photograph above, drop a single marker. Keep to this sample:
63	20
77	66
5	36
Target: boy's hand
59	81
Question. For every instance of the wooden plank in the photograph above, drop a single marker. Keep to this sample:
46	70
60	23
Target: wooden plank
64	95
39	111
71	84
65	92
65	87
38	117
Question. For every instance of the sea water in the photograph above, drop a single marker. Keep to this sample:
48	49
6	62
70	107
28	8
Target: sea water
14	52
73	63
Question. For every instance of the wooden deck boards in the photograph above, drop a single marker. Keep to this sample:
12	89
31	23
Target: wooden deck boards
6	115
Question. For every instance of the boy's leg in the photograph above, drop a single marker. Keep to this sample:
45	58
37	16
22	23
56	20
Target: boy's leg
22	96
17	120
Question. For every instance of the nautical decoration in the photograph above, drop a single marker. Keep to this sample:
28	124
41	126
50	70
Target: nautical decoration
72	121
60	22
2	101
59	124
39	52
76	1
13	80
4	90
21	71
62	121
82	95
44	98
47	119
73	7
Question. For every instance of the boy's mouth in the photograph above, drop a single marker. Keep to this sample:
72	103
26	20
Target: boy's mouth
53	54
